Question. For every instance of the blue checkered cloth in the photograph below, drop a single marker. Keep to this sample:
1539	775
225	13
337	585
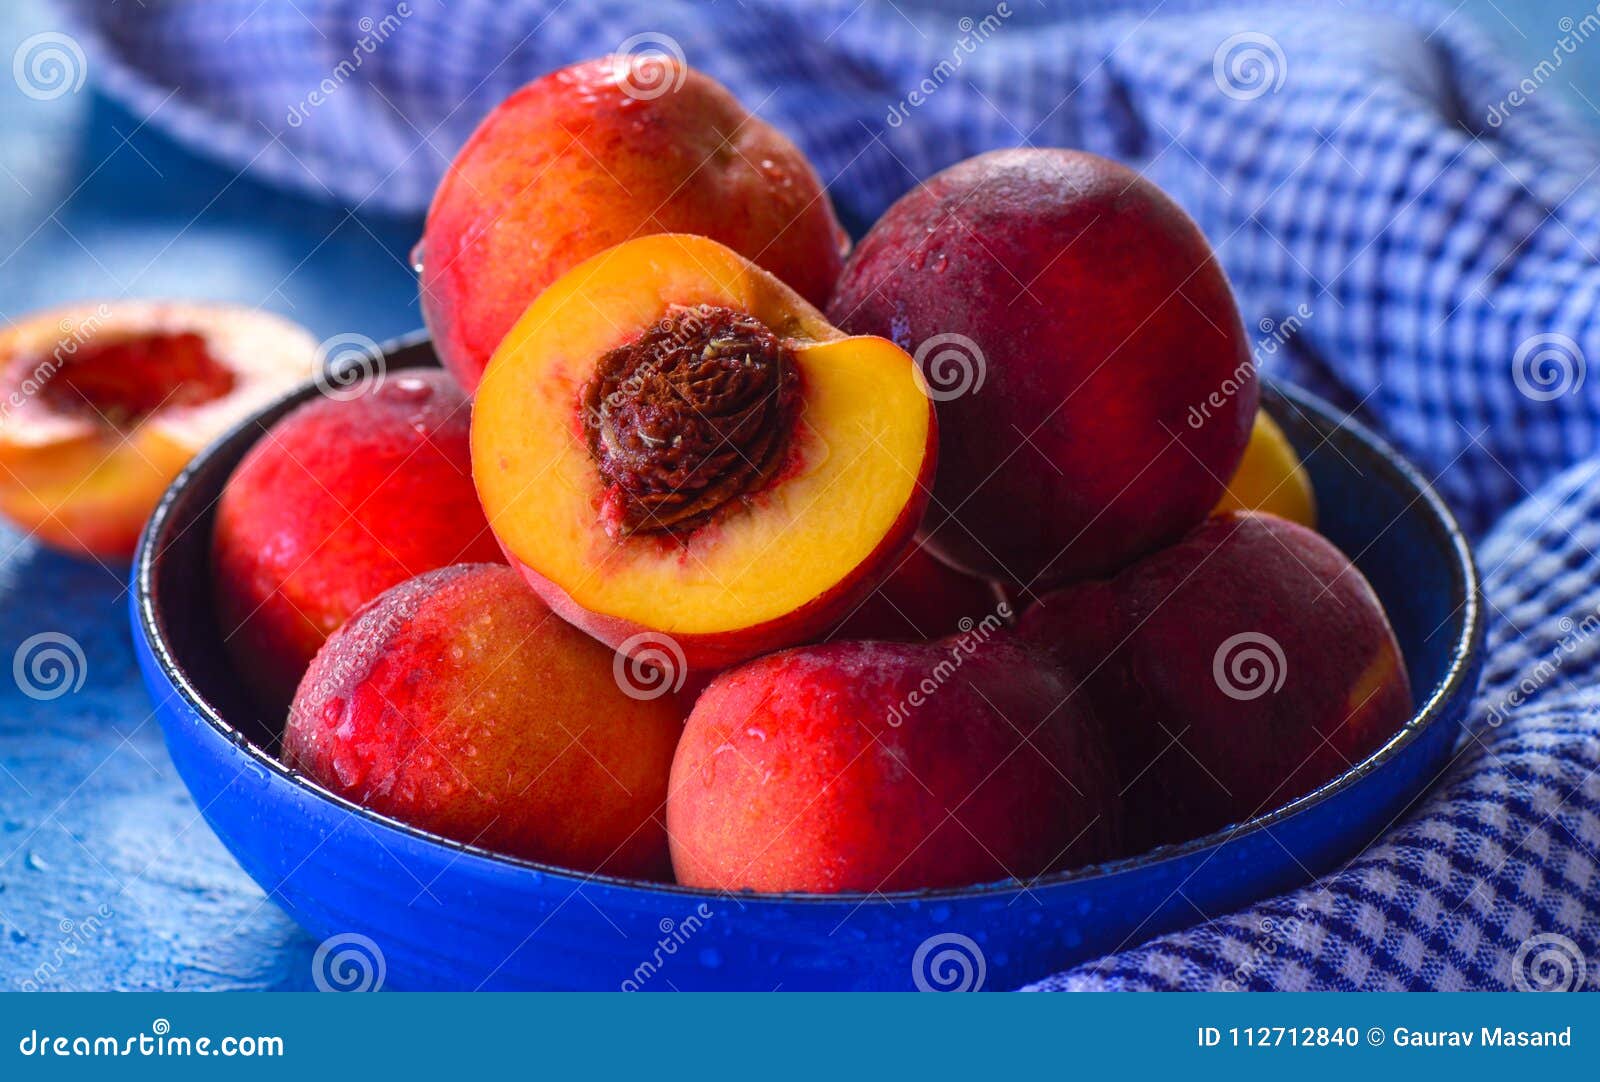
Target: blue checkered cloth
1422	205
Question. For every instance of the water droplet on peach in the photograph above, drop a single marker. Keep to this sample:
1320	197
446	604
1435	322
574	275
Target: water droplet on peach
349	769
406	389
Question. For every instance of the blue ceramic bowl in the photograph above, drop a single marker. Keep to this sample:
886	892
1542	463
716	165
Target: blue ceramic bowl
446	915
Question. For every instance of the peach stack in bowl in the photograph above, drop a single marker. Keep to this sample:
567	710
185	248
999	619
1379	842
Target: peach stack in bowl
743	611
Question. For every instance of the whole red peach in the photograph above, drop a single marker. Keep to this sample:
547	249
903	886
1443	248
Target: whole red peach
1238	669
1094	382
861	766
340	500
458	703
595	154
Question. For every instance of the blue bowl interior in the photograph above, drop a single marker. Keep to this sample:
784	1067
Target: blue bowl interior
337	867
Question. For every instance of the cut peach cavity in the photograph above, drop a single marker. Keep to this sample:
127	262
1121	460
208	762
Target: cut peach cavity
672	441
102	405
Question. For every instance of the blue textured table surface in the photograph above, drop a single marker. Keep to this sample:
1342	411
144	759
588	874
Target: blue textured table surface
108	876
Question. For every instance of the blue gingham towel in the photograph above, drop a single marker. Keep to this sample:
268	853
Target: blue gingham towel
1410	219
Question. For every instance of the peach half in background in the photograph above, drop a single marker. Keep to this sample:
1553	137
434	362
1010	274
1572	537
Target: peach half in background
102	404
672	441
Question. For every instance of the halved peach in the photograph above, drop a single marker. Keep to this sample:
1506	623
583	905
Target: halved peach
102	405
671	441
1270	478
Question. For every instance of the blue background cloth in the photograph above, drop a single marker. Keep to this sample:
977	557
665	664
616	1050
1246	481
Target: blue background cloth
1369	171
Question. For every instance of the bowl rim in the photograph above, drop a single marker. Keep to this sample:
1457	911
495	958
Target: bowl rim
415	350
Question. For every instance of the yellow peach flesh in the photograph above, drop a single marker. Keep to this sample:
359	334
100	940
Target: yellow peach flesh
853	465
1270	478
84	482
